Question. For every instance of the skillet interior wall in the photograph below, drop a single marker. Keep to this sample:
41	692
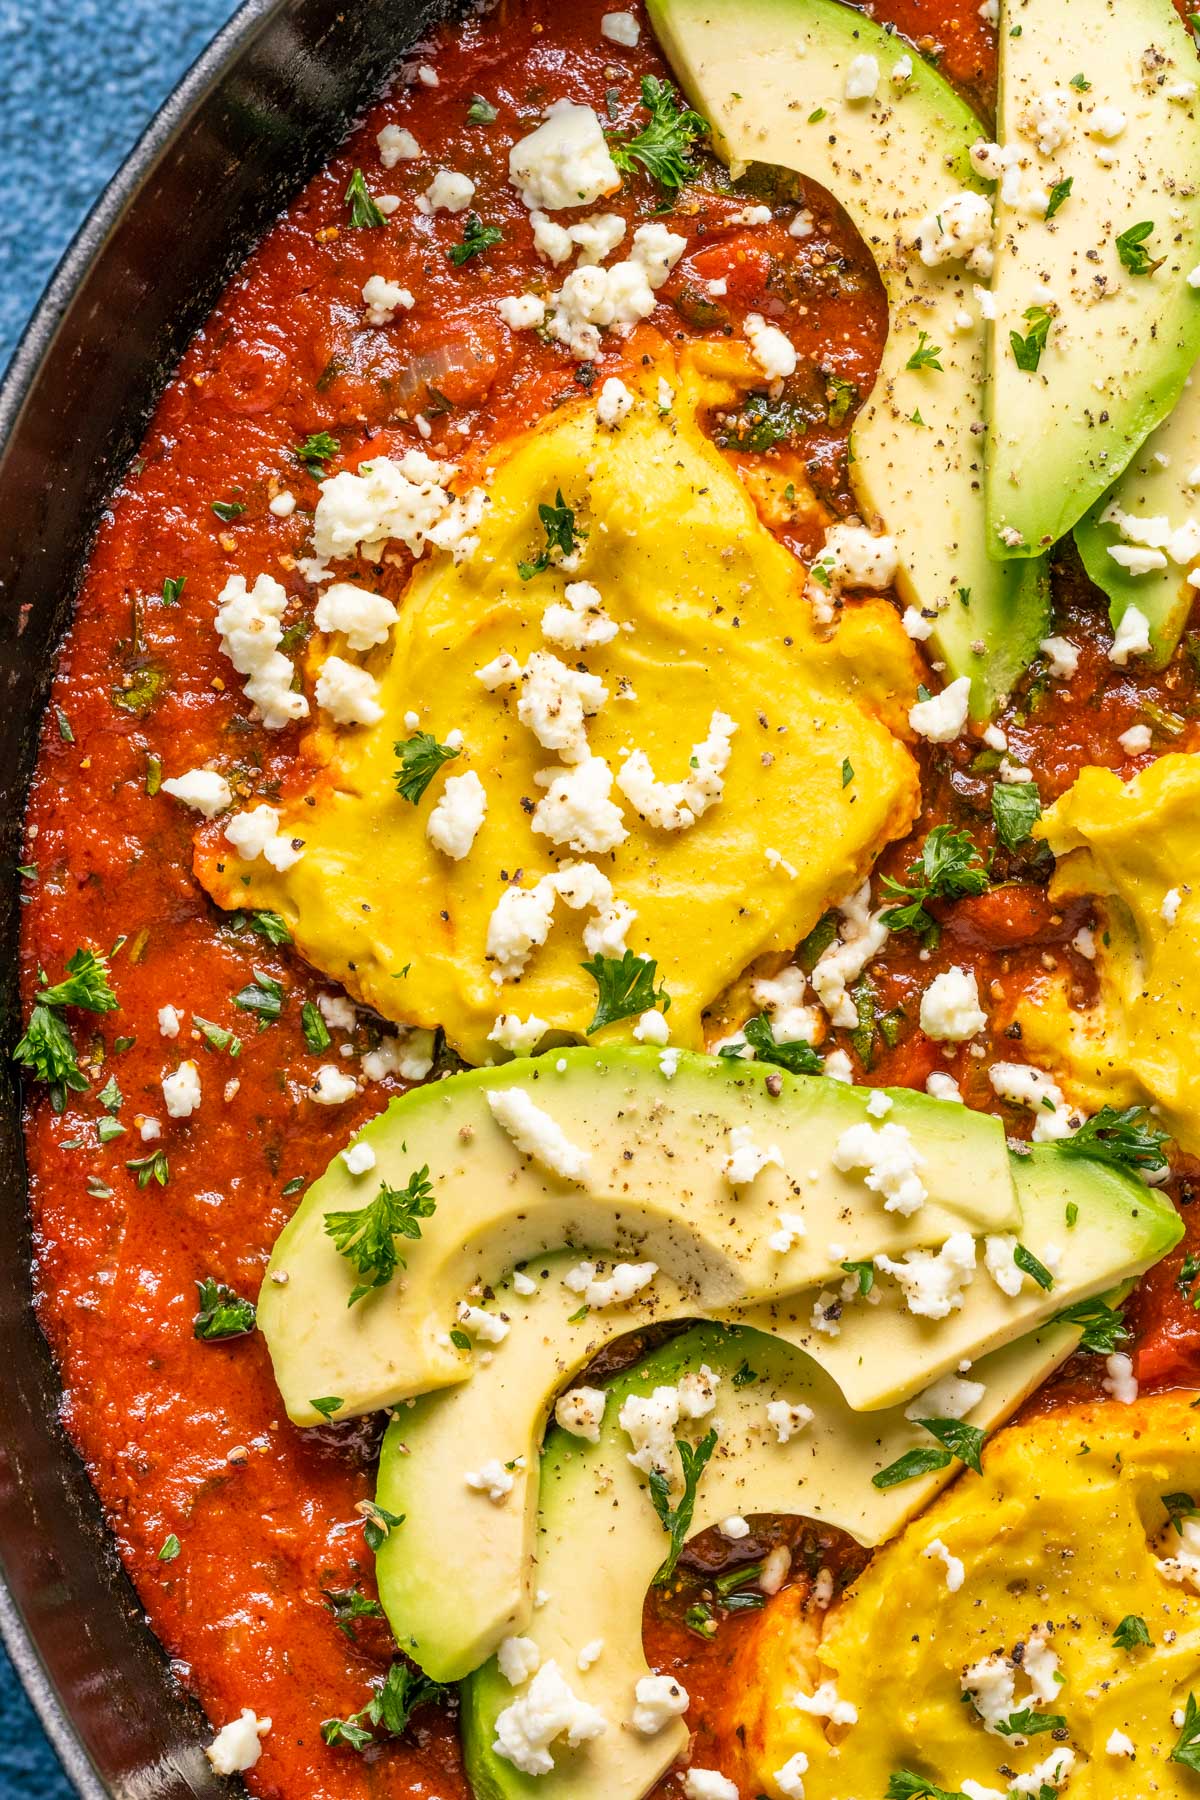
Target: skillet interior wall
256	117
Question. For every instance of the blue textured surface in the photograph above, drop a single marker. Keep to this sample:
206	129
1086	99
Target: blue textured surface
79	79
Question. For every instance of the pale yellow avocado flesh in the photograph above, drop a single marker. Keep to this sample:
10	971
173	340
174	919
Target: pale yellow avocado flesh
654	1190
771	80
713	619
1133	846
1120	344
1063	1531
600	1541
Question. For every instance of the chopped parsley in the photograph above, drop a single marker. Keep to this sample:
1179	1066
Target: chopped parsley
948	868
480	111
364	214
562	534
86	984
1016	809
228	510
624	986
46	1048
388	1711
223	1313
864	1274
378	1522
269	925
476	238
904	1785
316	1032
1103	1328
216	1036
327	1406
1132	1631
1030	1723
677	1520
366	1236
1187	1749
1185	1281
315	452
963	1441
421	756
1058	194
925	356
150	1168
1179	1507
1027	351
797	1056
840	397
665	144
348	1605
763	423
171	1548
1127	1138
172	588
1131	248
264	997
1029	1265
909	1466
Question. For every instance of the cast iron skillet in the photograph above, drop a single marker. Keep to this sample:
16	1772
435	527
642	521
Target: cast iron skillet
257	115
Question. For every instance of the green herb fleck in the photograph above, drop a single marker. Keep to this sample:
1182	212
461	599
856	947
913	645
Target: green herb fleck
476	238
170	1550
222	1312
1132	1631
228	510
421	756
366	1236
1016	809
665	145
948	868
1131	248
316	1033
676	1521
364	214
1029	1265
625	985
480	111
925	356
1027	351
562	534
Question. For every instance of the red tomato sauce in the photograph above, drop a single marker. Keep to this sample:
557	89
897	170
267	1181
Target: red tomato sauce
187	1439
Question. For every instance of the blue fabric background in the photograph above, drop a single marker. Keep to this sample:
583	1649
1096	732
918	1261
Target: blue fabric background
79	79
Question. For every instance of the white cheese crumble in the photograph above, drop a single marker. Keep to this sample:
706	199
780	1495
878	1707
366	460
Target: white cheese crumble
453	824
621	28
349	694
652	1028
1046	120
591	1653
745	1159
592	299
960	227
649	1422
492	1479
204	790
359	1158
169	1019
248	622
950	1009
576	809
676	805
522	312
708	1784
789	1233
565	162
853	557
256	833
626	1280
942	716
383	299
579	620
734	1528
934	1282
1023	1085
862	934
518	1660
1063	656
891	1162
485	1326
790	1779
782	997
774	352
824	1703
332	1086
862	79
363	619
787	1420
950	1397
408	1054
1120	1381
554	703
614	404
447	192
396	145
1132	637
659	1699
547	1710
1172	901
1133	742
521	920
581	1412
697	1392
536	1134
388	498
941	1086
181	1091
953	1565
238	1745
1119	1745
594	238
517	1035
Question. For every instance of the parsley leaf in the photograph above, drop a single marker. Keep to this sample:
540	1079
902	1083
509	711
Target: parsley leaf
1185	1281
677	1520
171	1548
1132	1631
948	868
910	1465
228	510
216	1036
327	1406
1027	351
1179	1507
172	588
364	214
269	925
1128	1139
1016	809
348	1605
47	1051
1104	1330
904	1785
625	985
476	238
864	1272
1029	1723
963	1441
480	111
562	534
421	756
763	423
797	1056
1029	1265
316	1032
222	1314
366	1236
86	985
315	452
378	1522
150	1168
925	356
1187	1750
664	146
264	997
1131	248
388	1711
1058	194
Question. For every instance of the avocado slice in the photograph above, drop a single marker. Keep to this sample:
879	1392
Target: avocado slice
654	1190
882	1357
1092	92
1156	485
771	80
599	1541
1121	1229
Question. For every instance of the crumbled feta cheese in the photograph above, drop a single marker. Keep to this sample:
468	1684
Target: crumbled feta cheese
649	1422
668	1064
660	1698
1063	655
676	805
1046	120
590	1654
1023	1085
453	824
581	1412
791	1229
169	1018
774	353
396	145
522	312
522	917
481	1324
902	70
517	1035
890	1159
950	1397
181	1091
746	1159
332	1087
790	1779
942	717
862	934
852	557
204	790
523	1284
447	192
786	1420
518	1659
403	498
1134	741
578	620
626	1280
862	78
960	227
708	1784
615	402
565	162
955	1571
782	997
1120	1381
1132	637
576	809
554	703
1107	122
408	1054
1172	901
238	1745
621	28
697	1392
933	1283
536	1134
492	1479
383	299
248	622
991	1685
359	1158
1120	1745
594	238
593	299
652	1028
1183	1564
942	1086
916	624
548	1709
734	1528
348	693
282	504
824	1703
256	833
950	1009
363	618
1135	560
